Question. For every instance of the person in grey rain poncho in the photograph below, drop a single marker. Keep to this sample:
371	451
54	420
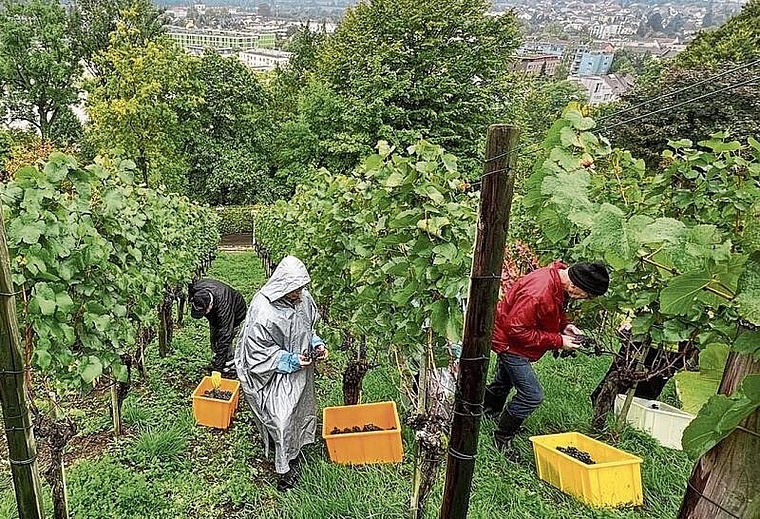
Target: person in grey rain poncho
274	364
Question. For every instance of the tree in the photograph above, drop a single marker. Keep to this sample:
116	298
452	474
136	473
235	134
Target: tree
229	147
229	136
289	80
736	110
737	40
535	103
38	64
629	62
421	67
93	21
328	131
142	104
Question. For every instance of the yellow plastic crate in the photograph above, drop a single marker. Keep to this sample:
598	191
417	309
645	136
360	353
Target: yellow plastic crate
212	412
363	447
614	480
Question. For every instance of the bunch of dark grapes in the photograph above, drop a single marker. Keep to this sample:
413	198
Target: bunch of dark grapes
580	455
218	394
367	428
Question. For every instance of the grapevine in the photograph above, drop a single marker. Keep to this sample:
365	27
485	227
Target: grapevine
94	254
682	242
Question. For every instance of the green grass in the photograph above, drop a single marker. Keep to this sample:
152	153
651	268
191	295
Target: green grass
165	466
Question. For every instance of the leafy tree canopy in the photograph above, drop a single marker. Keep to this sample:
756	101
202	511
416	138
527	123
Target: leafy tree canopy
142	105
736	111
422	66
93	21
737	40
229	148
38	64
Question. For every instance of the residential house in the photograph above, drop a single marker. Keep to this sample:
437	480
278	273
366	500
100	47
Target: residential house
605	88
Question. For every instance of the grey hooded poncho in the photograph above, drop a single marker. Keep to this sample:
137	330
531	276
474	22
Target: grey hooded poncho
280	393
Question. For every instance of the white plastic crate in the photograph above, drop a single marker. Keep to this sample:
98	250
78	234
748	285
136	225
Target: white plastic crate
663	421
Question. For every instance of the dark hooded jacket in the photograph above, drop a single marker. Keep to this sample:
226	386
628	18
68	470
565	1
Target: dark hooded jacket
228	309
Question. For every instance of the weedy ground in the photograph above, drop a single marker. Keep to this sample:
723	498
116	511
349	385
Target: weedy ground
166	466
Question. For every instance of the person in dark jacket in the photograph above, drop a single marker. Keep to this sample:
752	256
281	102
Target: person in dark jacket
530	320
225	308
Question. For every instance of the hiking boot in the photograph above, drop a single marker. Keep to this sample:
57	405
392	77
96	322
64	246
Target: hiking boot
505	433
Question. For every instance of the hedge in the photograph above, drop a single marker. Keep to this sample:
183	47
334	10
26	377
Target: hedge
235	219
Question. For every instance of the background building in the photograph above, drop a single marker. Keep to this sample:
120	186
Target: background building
606	88
264	59
545	65
193	39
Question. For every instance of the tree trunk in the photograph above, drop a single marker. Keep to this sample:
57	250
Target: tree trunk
142	165
493	223
57	483
354	375
168	310
119	392
631	391
429	437
144	337
603	399
725	483
22	449
44	125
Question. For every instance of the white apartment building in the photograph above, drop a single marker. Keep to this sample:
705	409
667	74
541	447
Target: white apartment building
604	89
264	59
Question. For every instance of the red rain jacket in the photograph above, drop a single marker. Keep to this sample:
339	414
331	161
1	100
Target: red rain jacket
531	316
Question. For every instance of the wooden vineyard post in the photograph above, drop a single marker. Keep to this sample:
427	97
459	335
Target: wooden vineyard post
725	483
493	222
163	340
419	457
22	450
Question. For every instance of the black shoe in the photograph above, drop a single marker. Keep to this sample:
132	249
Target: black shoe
505	433
290	478
493	405
287	481
507	448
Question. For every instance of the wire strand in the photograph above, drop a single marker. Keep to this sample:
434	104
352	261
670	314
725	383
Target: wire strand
683	103
700	494
683	89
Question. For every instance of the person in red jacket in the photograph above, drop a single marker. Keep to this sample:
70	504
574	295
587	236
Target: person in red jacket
530	320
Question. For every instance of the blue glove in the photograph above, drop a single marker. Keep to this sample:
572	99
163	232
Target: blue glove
288	363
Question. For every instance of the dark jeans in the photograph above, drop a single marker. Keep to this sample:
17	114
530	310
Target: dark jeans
516	372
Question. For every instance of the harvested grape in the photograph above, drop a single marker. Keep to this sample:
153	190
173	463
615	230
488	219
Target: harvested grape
218	394
370	427
580	455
